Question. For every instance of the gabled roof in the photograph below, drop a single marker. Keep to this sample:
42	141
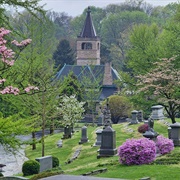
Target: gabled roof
88	30
95	73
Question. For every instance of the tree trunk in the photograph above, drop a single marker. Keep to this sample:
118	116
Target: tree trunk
33	141
43	123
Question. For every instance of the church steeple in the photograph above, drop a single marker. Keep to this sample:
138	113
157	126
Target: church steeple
88	30
88	44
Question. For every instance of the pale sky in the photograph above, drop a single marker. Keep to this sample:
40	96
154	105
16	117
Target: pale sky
76	7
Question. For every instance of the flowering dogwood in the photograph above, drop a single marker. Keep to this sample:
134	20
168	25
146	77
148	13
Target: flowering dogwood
71	109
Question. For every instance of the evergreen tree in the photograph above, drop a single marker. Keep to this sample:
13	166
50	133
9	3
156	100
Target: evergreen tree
63	54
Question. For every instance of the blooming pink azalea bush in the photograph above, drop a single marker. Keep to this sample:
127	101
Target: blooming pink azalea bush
143	128
164	145
137	151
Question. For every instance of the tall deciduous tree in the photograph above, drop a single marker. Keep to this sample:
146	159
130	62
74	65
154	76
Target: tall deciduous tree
63	54
164	82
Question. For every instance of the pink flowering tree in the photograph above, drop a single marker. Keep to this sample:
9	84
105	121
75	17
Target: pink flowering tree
164	83
7	59
9	127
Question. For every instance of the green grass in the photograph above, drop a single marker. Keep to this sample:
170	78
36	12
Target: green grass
87	160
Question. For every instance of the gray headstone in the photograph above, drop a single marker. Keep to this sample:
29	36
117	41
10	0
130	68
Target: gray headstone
108	143
134	119
98	137
84	137
67	132
157	112
45	163
175	133
60	143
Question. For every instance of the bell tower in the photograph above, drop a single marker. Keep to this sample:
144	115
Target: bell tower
88	44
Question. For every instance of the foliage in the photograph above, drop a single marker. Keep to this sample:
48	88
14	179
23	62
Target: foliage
143	128
71	110
10	127
71	86
120	107
137	151
1	175
30	167
164	145
164	82
63	54
30	5
55	161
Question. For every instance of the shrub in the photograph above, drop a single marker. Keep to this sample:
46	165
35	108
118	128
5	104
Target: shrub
55	161
137	151
120	107
143	128
164	145
30	167
1	175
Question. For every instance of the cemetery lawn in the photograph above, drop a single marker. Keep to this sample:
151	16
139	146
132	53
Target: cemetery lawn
166	167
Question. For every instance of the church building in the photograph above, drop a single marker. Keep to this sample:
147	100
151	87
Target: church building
88	61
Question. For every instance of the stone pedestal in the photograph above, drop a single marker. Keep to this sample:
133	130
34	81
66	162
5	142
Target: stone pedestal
157	112
150	134
98	137
175	133
108	143
45	163
84	137
134	119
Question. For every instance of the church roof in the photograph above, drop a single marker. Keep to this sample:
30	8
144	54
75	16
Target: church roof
88	30
94	73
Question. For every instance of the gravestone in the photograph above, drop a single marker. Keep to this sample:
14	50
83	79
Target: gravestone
45	163
140	116
59	143
98	137
108	143
134	119
84	137
157	112
175	133
67	132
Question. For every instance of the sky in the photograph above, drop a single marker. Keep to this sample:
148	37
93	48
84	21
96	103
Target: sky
76	7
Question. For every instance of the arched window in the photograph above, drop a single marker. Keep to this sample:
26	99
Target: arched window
86	46
98	45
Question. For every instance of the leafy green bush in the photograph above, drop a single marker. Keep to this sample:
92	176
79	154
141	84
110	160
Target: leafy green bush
120	108
55	161
30	167
1	175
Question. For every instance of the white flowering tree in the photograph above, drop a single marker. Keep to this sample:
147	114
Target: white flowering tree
71	110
